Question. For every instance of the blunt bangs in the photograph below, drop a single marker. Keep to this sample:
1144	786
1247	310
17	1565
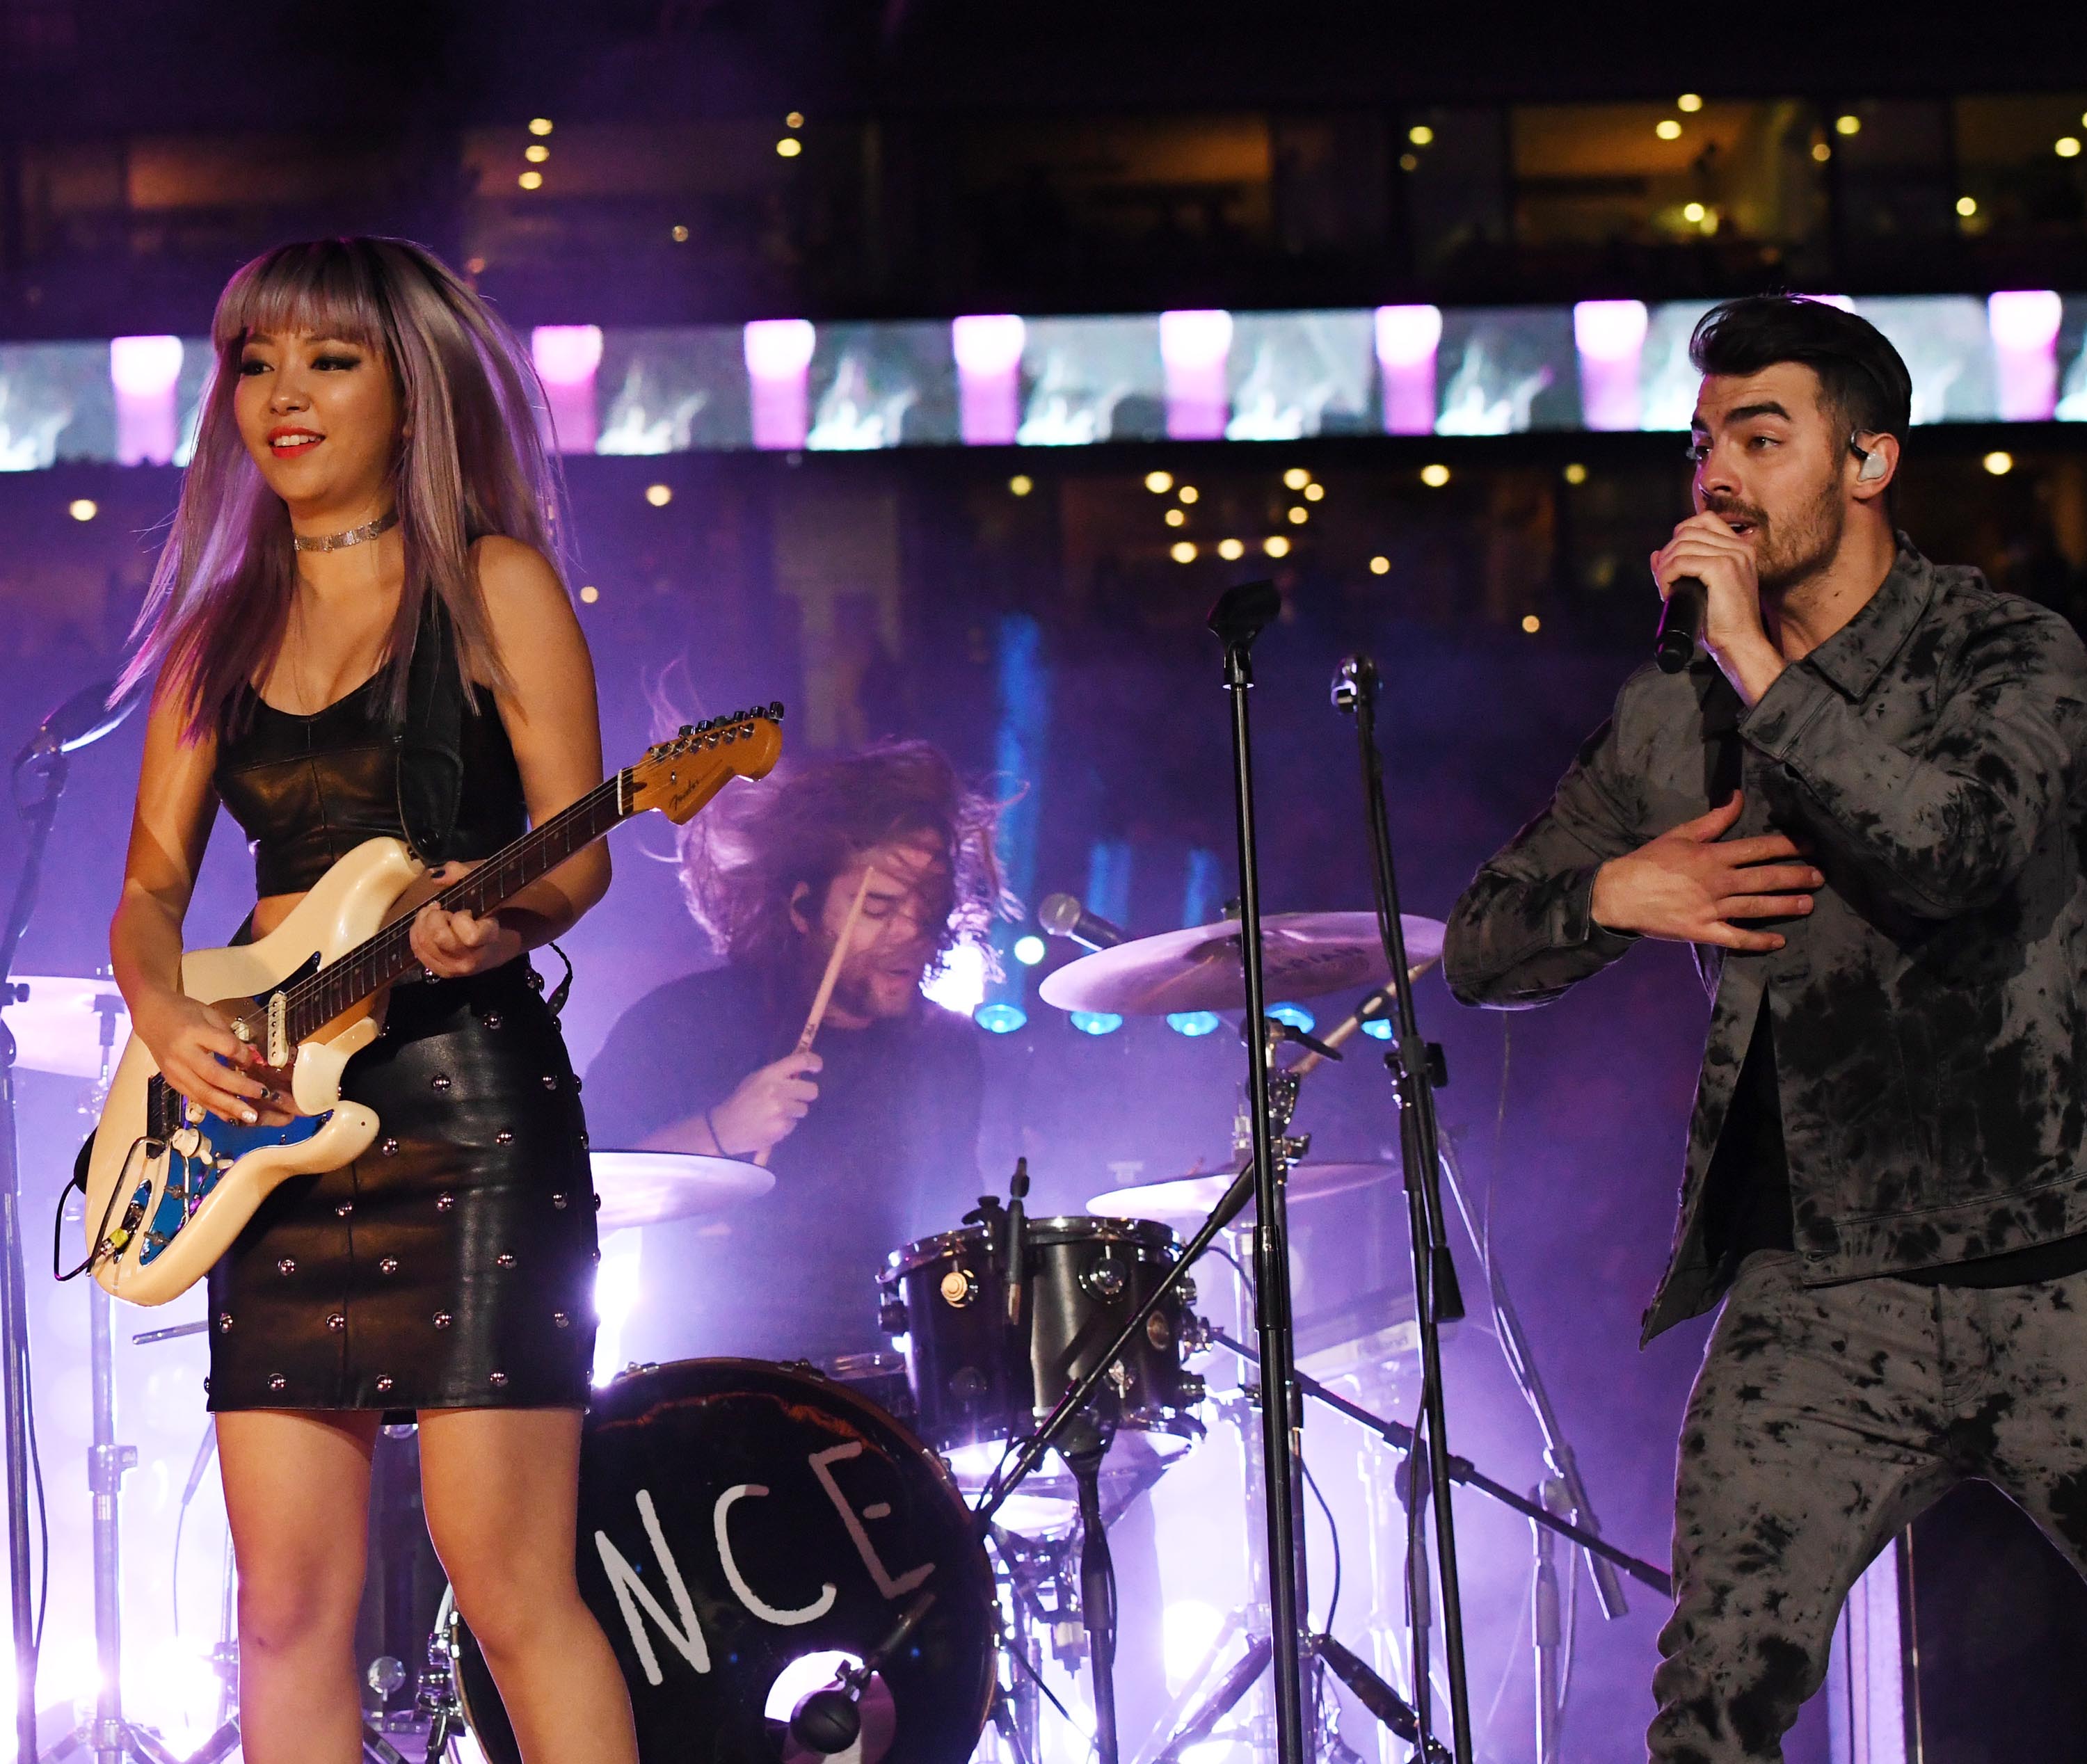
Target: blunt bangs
321	288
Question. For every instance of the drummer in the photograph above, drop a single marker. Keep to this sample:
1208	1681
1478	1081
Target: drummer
873	1135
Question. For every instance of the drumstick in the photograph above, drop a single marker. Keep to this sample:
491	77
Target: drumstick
824	996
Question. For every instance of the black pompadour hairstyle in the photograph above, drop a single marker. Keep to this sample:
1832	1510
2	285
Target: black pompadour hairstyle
1862	378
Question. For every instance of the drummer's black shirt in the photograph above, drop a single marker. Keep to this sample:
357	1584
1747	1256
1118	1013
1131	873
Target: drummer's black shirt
887	1152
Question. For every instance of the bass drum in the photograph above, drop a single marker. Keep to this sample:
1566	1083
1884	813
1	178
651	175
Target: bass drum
740	1521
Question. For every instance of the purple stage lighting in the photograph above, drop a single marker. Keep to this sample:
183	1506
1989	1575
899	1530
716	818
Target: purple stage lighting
1609	337
1407	339
1195	345
566	357
778	362
987	346
144	372
2024	323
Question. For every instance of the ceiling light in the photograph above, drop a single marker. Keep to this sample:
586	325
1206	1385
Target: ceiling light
1187	492
1183	551
1420	134
1690	101
1380	566
789	146
2066	147
1667	129
539	126
1409	162
1159	482
1231	550
1531	623
1434	476
1175	518
1299	517
658	495
795	120
1967	205
681	236
1999	464
1848	125
1276	545
1029	949
1821	152
1022	484
1314	492
536	153
531	180
1576	473
1691	212
1296	478
590	594
83	509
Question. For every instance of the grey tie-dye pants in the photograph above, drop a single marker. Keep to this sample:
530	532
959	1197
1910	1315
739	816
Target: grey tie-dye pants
1824	1419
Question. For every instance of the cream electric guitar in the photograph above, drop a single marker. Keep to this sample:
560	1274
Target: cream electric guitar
169	1187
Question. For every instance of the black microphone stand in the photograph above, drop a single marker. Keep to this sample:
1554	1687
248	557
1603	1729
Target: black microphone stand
1416	1069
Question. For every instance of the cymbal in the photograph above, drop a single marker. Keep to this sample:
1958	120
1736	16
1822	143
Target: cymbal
1304	955
1192	1197
57	1027
641	1188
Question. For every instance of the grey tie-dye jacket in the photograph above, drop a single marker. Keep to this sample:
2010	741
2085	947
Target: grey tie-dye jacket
1931	1035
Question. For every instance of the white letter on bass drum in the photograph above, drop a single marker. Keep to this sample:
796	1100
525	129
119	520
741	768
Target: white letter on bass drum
631	1592
889	1587
754	1602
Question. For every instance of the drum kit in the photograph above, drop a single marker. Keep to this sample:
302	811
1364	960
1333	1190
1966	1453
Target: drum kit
796	1561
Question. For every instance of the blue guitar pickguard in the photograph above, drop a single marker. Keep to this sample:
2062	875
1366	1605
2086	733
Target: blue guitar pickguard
190	1179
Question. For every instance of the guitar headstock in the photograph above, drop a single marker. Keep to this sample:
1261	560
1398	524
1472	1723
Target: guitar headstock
678	777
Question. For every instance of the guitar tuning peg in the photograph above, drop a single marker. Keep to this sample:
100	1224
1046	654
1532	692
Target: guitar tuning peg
688	729
775	711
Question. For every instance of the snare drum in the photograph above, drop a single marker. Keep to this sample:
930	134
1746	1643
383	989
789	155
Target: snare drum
975	1387
738	1520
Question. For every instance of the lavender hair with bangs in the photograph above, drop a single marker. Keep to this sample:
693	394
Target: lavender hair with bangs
470	462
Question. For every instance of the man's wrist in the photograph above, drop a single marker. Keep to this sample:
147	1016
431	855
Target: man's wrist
1751	665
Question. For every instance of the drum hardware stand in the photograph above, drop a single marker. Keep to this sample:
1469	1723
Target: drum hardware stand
1086	1446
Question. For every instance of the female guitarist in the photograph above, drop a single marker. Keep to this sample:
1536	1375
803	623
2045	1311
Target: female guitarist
357	630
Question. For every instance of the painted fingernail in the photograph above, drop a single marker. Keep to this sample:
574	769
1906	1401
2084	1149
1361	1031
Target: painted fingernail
249	1116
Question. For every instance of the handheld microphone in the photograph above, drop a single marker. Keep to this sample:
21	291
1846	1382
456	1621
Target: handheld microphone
1063	916
85	717
1680	624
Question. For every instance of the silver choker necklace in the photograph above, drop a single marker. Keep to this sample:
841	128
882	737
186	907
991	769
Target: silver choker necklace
354	535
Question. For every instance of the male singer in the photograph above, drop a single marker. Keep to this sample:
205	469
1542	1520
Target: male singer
1863	806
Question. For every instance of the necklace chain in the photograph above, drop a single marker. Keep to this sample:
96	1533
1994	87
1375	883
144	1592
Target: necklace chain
354	535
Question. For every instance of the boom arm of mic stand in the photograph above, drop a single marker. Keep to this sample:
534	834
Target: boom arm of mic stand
1398	1435
1075	1399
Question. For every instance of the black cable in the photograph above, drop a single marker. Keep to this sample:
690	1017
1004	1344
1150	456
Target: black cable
1334	1532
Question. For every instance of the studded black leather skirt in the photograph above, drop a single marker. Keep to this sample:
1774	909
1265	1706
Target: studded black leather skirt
452	1266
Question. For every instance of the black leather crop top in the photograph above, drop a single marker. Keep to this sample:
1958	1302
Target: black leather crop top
307	790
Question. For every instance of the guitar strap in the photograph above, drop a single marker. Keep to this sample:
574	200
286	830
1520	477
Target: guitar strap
430	745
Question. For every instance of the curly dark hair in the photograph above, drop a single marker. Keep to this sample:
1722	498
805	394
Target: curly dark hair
742	859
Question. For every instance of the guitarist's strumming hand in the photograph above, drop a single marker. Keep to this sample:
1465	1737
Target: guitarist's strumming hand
451	945
193	1044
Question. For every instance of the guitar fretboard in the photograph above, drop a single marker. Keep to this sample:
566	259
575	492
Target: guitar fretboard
388	956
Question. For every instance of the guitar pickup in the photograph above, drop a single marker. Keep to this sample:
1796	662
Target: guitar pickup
278	1030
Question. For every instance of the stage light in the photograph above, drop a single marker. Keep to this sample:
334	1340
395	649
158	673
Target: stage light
145	372
83	508
531	180
539	126
566	355
1175	518
1315	492
795	120
1299	517
1276	545
1296	478
1096	1022
616	1291
2066	147
1434	476
789	146
1029	949
804	1675
1190	1631
1187	492
999	1019
1689	101
1531	623
1848	124
1420	135
1378	1028
1022	484
536	153
1231	550
658	495
1667	129
1294	1015
988	345
1576	473
1182	551
1194	346
1159	482
1192	1023
1967	205
958	983
1821	151
590	594
1693	212
2022	319
2024	324
778	359
1999	464
1380	566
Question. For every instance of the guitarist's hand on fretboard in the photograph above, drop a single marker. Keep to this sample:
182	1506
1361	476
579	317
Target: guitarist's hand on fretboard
451	945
